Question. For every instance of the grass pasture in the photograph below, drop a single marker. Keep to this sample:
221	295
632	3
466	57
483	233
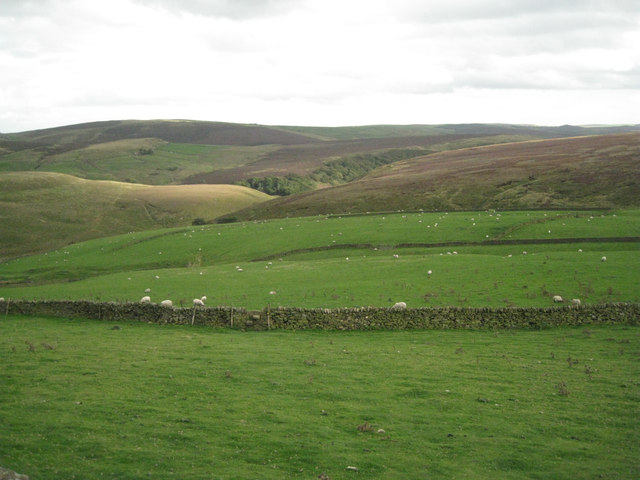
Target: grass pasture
81	399
314	262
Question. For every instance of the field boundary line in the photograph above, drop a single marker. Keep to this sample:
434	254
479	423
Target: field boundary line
483	243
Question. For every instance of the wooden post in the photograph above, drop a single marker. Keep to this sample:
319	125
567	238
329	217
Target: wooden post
7	310
193	317
231	316
268	316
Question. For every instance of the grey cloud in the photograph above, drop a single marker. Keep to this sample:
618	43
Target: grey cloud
19	8
459	10
232	9
548	79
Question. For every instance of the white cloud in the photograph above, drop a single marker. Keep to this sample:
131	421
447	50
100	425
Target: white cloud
319	61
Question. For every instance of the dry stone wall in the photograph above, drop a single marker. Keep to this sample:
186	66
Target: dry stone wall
368	318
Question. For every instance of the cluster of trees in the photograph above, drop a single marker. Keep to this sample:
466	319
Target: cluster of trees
348	169
335	172
282	186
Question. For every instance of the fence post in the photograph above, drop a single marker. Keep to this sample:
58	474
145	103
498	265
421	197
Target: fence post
268	316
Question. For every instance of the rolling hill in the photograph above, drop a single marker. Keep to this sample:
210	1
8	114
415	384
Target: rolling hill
597	171
96	173
163	152
41	211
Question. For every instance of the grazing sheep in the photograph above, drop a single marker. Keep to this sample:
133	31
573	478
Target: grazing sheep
429	272
145	299
1	299
603	259
148	290
197	301
166	303
557	299
399	306
203	298
576	301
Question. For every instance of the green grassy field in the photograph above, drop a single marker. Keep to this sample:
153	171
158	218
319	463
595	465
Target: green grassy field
81	399
313	262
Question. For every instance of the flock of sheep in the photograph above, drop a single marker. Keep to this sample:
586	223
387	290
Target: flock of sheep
397	306
197	302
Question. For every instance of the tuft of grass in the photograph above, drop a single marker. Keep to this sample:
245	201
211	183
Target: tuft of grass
562	389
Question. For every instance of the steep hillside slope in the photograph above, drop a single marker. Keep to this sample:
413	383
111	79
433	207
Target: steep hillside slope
41	211
305	159
598	171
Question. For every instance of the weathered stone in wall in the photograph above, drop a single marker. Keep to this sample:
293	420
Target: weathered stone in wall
6	474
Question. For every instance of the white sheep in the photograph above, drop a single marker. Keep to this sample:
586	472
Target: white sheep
576	301
557	299
429	272
148	290
603	259
145	299
203	298
1	299
166	303
399	306
197	301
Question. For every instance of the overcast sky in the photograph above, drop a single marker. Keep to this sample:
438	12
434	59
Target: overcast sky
319	62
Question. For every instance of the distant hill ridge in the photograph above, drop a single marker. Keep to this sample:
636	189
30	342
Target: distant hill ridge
346	169
224	133
179	131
